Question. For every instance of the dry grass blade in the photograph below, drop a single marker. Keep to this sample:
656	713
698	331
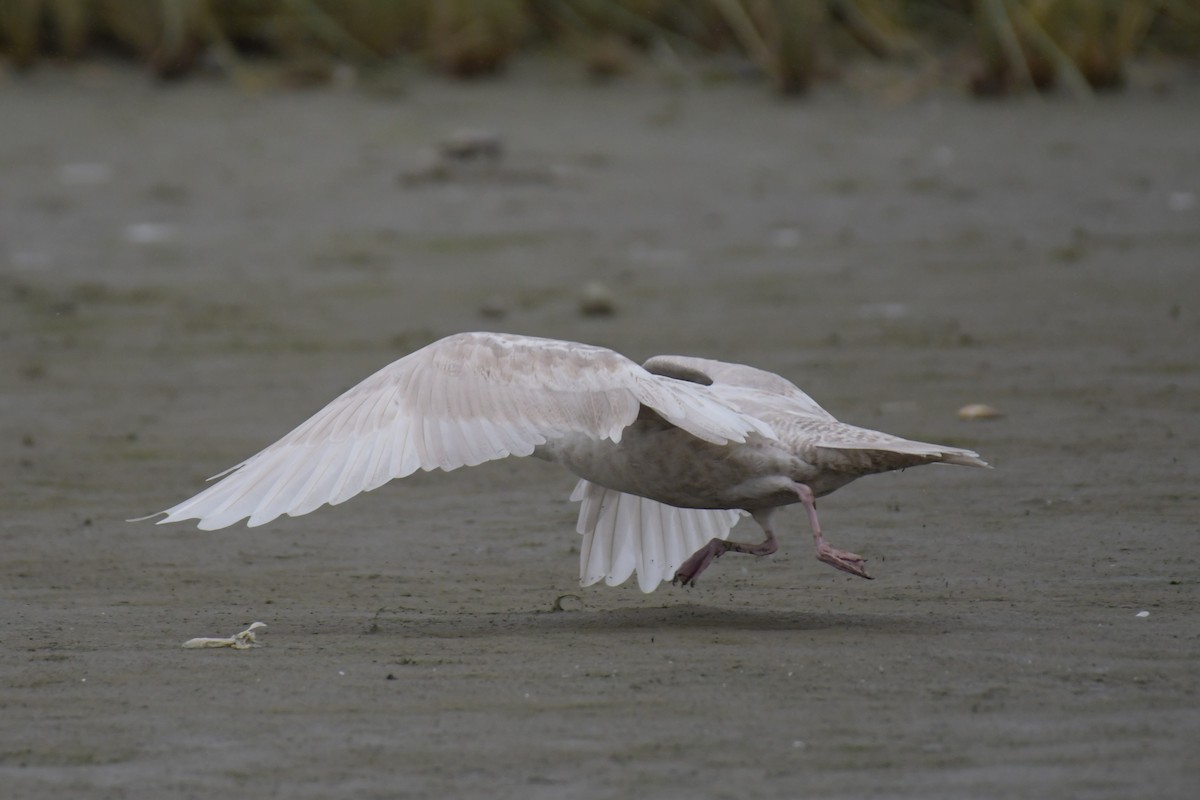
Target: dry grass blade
1000	25
20	22
1066	68
327	29
747	34
475	37
71	22
865	28
779	36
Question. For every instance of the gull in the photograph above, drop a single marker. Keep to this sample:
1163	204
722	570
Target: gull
669	455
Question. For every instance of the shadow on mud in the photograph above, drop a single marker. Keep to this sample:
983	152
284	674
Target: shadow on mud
671	618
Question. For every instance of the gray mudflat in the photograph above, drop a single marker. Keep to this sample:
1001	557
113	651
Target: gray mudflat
189	272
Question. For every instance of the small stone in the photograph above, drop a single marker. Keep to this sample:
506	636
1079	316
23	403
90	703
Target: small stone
596	300
470	144
494	307
568	602
978	411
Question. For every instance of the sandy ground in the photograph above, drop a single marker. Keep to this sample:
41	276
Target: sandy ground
187	272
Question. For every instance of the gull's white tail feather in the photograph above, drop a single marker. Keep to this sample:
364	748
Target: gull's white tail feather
624	534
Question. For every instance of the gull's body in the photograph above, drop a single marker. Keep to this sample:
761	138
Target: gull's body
669	454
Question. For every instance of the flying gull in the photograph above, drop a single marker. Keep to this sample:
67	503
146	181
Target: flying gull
669	454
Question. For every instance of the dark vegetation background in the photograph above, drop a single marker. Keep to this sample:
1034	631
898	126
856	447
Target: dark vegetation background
990	46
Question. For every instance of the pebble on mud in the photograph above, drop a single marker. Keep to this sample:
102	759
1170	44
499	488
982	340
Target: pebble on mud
469	144
596	300
494	307
976	411
568	602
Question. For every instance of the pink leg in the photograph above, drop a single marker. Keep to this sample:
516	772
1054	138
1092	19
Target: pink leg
690	570
839	559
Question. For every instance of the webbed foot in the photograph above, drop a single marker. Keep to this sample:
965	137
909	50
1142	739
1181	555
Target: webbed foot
840	559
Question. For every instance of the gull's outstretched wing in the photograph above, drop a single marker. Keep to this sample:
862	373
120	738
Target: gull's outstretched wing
624	533
460	401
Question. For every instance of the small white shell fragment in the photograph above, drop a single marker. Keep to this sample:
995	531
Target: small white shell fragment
243	640
207	642
1142	614
972	411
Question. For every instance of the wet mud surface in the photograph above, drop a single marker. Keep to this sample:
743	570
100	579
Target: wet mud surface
188	272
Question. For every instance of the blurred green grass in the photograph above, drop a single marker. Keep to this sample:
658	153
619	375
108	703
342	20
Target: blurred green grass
988	46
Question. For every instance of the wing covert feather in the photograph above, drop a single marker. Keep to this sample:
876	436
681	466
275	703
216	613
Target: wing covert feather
739	381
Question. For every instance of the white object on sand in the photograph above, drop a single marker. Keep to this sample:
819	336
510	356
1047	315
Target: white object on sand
670	454
976	411
242	640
